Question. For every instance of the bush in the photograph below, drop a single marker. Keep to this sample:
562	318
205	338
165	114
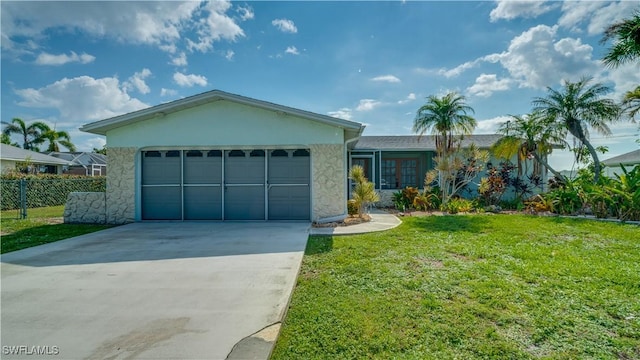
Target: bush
352	207
455	206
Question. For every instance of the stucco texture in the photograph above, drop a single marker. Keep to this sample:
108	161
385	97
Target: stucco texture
121	185
328	174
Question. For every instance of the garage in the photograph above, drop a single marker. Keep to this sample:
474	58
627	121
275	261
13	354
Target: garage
222	156
232	184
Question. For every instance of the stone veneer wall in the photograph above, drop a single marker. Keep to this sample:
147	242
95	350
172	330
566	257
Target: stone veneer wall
328	176
121	185
85	208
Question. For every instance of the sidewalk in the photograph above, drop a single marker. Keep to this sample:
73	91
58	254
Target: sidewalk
380	221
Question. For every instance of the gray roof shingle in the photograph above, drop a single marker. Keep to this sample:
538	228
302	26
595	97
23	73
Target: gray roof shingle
8	152
415	142
629	158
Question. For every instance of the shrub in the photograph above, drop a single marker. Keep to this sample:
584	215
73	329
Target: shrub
352	207
455	206
363	191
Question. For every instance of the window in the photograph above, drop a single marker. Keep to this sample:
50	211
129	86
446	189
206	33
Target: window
399	173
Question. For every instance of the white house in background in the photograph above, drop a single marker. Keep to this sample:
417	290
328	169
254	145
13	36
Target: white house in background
40	163
628	160
83	163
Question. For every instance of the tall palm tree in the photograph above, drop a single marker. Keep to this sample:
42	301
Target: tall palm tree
29	133
527	136
631	102
55	139
577	106
446	117
626	46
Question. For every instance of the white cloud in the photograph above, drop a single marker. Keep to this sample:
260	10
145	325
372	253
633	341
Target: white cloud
409	98
229	55
508	9
160	23
344	113
180	60
597	14
367	105
136	82
189	80
486	84
292	50
386	78
285	25
246	12
217	25
490	126
168	92
50	59
82	99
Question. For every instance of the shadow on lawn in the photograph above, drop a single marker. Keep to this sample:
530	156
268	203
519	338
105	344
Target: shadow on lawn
319	245
448	223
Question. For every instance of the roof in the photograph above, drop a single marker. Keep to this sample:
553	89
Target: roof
415	142
9	152
101	127
80	158
629	158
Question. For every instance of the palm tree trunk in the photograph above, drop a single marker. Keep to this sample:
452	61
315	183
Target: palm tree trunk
596	161
544	163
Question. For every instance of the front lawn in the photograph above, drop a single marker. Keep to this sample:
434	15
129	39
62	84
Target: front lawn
42	225
469	287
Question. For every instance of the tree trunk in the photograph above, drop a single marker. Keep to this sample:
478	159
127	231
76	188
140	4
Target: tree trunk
596	161
546	165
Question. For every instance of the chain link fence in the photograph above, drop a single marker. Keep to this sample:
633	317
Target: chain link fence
22	194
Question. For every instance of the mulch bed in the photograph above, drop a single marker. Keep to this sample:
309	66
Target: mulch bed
351	220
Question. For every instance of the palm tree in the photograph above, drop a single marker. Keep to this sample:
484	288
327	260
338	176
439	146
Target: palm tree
29	133
631	102
577	106
528	136
55	139
626	46
445	117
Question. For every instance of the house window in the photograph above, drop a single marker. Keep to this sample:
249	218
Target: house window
399	173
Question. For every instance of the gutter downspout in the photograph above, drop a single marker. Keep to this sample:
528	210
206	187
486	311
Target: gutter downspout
346	184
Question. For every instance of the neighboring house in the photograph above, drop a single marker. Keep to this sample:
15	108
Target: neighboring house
628	160
221	156
83	163
10	156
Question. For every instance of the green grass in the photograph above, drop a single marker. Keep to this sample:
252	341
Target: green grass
469	287
41	226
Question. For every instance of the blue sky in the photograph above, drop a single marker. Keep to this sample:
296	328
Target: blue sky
70	63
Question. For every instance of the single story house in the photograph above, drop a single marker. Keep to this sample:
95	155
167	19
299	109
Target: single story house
83	163
221	156
628	160
10	156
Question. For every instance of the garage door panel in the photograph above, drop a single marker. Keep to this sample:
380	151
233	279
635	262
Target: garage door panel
289	170
244	203
202	167
162	203
247	168
289	203
203	203
161	167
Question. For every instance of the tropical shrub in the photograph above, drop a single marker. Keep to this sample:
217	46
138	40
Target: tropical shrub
352	207
458	205
363	192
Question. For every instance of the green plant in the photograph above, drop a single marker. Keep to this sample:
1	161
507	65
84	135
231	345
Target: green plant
363	191
399	201
352	207
455	206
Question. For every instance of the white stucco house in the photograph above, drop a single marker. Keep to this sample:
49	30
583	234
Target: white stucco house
628	160
221	156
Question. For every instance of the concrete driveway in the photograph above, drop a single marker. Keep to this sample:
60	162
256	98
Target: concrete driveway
149	290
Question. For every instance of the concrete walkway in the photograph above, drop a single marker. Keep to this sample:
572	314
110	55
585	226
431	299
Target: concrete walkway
152	291
380	221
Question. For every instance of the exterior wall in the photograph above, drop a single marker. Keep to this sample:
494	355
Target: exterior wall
7	166
121	185
224	124
328	179
85	208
